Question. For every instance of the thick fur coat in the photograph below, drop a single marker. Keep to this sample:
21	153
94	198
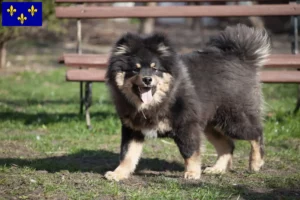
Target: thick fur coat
213	92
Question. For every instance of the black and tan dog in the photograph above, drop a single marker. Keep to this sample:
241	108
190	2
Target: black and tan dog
213	92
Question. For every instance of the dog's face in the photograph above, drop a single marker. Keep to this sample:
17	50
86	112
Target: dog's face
141	68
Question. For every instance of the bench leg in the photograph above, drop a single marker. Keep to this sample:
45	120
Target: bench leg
88	103
295	50
298	101
81	98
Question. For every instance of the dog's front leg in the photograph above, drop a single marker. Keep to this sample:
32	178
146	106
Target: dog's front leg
188	141
131	149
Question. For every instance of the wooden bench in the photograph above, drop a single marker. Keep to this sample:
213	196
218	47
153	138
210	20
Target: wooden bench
91	67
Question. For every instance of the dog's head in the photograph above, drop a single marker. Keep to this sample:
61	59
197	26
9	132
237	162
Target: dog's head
141	69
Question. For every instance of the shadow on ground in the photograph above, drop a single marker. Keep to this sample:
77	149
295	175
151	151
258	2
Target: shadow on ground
45	118
88	161
248	193
103	160
273	194
34	102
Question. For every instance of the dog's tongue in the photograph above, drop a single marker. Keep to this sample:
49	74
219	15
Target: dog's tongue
146	95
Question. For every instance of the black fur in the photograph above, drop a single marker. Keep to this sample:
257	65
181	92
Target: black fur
216	87
127	136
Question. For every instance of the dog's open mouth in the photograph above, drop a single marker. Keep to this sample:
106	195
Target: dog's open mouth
146	94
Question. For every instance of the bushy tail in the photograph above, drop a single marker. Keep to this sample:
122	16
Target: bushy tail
249	44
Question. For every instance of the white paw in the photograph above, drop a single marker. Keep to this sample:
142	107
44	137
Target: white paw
192	175
114	176
255	166
214	170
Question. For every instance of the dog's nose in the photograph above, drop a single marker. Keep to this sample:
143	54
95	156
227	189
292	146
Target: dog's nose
147	80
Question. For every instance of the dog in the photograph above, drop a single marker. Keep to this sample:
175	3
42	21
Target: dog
213	92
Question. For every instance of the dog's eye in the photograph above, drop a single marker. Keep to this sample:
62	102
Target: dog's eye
136	70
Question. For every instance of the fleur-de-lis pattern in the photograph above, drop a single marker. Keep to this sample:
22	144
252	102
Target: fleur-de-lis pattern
11	10
32	10
22	18
22	13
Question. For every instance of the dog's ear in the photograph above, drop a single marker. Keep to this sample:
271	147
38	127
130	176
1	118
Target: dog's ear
160	44
126	44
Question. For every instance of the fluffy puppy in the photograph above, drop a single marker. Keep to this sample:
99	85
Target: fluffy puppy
213	92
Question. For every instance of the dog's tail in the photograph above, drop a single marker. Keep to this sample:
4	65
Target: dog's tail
249	44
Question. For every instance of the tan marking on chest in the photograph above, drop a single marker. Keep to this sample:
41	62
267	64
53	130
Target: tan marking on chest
164	126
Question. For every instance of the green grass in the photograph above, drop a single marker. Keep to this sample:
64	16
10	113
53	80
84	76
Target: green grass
46	151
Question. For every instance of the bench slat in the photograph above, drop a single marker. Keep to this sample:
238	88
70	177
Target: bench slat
100	60
283	61
280	76
78	75
176	11
86	60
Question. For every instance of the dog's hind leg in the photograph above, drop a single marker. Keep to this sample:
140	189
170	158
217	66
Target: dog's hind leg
247	126
224	147
131	149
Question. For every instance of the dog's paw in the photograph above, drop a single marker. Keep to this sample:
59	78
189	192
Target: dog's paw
256	165
214	170
192	175
114	176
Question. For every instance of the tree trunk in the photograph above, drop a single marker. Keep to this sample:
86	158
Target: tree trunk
257	22
147	24
2	54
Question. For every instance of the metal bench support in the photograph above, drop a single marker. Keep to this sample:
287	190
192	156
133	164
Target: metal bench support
79	51
85	96
296	51
298	102
88	103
